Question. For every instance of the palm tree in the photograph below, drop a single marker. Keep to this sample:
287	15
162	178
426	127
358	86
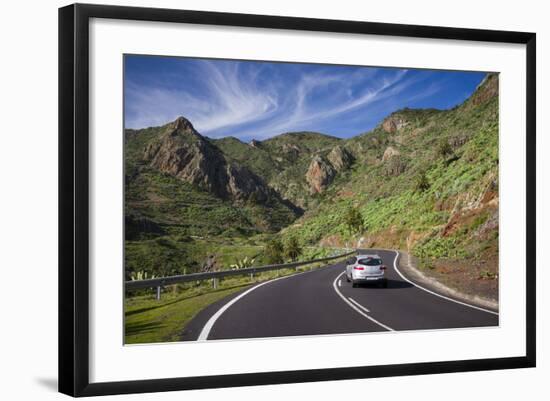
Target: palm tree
274	251
293	249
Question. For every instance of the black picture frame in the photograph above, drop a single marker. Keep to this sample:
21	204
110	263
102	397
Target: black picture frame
74	200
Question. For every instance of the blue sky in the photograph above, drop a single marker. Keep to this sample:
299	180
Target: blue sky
248	99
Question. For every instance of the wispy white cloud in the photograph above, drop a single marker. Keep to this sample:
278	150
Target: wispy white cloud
262	99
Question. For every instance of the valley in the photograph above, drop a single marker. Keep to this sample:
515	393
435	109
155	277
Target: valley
424	181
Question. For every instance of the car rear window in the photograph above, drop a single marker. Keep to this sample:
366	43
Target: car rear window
370	262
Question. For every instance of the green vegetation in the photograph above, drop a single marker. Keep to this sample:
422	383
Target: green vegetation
274	251
451	161
148	320
354	220
293	250
243	263
426	182
421	182
445	148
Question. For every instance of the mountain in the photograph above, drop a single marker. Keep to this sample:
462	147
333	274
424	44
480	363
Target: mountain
173	174
282	161
183	153
424	180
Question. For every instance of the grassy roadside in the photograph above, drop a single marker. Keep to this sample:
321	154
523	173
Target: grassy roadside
150	321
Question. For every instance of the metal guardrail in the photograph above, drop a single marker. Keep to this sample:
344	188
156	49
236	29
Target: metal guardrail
185	278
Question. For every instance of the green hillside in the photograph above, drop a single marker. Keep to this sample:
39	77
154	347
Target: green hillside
425	181
435	192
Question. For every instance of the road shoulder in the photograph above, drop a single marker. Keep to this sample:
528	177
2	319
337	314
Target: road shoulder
407	266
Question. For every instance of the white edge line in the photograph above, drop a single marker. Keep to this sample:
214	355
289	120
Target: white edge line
356	308
203	336
435	293
205	332
358	304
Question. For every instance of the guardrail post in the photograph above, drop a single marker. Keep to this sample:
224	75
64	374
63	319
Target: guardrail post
215	283
158	293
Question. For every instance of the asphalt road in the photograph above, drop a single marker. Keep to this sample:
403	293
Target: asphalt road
322	302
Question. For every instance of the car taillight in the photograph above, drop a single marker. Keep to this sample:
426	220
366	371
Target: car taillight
382	267
358	268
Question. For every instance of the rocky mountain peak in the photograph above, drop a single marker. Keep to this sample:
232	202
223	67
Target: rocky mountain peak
194	159
183	124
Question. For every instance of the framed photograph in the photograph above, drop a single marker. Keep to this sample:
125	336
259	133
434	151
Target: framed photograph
251	199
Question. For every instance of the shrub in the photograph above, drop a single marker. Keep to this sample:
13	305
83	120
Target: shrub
293	249
243	263
354	220
445	149
274	251
421	182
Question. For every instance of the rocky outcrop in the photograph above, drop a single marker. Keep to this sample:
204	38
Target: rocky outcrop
254	143
291	151
487	89
182	152
389	153
394	123
395	166
458	140
320	174
340	158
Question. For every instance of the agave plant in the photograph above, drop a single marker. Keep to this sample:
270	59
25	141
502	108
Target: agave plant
243	263
141	275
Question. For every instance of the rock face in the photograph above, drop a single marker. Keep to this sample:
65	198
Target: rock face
395	166
319	174
393	123
487	89
291	151
182	152
340	158
389	153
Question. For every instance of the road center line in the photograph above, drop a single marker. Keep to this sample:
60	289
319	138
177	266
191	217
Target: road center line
358	305
355	308
435	293
339	283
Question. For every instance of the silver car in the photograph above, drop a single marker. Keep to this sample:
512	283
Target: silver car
366	269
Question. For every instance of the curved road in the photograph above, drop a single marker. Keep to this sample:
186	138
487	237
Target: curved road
322	302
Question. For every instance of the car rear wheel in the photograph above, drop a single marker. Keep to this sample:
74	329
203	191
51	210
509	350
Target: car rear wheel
347	278
354	284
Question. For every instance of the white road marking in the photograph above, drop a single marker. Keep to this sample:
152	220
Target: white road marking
358	304
356	308
205	332
203	336
434	293
339	283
